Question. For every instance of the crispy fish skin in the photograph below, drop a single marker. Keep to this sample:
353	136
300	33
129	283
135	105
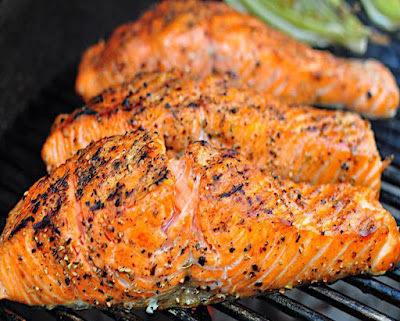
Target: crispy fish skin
204	37
122	224
298	143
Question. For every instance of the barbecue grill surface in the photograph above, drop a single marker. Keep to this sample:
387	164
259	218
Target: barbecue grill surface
21	166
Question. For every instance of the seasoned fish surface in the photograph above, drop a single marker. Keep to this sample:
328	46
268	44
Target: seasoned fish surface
121	223
203	37
297	143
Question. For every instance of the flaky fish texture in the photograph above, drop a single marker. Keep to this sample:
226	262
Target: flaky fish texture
298	143
122	224
203	37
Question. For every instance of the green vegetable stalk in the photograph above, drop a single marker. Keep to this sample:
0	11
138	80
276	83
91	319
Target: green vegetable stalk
318	22
383	13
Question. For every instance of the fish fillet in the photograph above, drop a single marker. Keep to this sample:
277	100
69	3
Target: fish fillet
123	225
298	143
203	37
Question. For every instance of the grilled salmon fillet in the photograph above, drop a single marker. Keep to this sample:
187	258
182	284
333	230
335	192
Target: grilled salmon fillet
121	223
297	143
203	37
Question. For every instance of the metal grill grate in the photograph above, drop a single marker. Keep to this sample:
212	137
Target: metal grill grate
21	166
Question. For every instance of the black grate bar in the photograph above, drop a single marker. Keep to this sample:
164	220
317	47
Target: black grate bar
293	308
66	315
239	311
121	315
394	211
198	314
377	288
345	303
390	194
392	175
6	313
389	141
387	151
395	275
388	137
391	125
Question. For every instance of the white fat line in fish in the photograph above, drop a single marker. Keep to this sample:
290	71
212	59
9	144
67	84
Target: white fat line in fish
33	278
13	279
374	185
273	265
335	178
203	134
202	241
123	282
360	101
180	214
393	112
270	80
361	170
315	258
224	276
299	119
375	168
278	90
386	248
377	103
324	90
323	168
81	137
226	268
299	173
305	245
24	284
366	247
337	257
286	171
267	255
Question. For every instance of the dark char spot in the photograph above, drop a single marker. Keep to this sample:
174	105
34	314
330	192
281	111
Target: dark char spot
235	189
85	111
21	225
202	260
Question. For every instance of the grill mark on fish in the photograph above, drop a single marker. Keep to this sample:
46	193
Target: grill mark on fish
85	111
21	225
234	189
